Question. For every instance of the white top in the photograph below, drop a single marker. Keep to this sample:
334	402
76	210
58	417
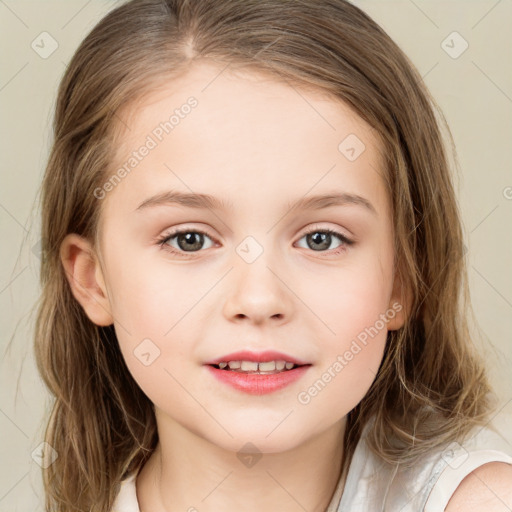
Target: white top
372	485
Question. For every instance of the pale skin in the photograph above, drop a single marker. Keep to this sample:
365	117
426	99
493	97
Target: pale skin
256	144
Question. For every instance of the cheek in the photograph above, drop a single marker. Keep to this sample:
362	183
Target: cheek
341	383
353	306
349	299
158	308
152	295
350	355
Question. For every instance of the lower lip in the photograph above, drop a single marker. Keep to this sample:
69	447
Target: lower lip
257	384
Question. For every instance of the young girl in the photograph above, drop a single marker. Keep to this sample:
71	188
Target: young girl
254	285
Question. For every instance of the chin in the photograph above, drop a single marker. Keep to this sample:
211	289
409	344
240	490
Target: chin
259	436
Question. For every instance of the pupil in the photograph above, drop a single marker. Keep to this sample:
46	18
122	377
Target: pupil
194	240
322	239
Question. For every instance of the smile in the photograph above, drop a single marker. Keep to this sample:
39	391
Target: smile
257	381
261	368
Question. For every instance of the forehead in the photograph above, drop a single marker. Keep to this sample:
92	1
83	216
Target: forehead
233	96
247	130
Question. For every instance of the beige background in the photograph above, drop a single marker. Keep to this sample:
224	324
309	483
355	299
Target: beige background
474	91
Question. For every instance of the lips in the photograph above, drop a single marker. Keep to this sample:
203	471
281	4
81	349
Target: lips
257	382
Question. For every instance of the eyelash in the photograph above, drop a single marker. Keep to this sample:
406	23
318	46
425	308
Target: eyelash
162	241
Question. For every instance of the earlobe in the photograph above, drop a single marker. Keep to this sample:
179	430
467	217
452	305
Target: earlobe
398	320
85	278
399	304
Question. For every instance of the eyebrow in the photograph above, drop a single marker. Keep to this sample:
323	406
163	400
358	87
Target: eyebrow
325	201
206	201
190	200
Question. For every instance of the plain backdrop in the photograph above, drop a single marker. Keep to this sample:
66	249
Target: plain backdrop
469	74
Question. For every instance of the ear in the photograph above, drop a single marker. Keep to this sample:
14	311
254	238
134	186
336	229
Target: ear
85	278
400	302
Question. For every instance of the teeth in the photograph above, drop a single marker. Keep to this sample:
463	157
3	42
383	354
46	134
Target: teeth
248	366
252	366
267	367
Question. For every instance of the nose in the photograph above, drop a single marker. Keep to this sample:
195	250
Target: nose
258	293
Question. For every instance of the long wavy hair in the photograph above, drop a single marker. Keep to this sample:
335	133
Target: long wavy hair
431	387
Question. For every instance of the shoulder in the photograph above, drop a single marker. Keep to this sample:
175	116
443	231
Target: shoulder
126	499
489	485
469	475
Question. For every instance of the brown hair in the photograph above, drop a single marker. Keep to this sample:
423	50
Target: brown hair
102	424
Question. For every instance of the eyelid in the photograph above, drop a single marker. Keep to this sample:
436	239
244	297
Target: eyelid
349	240
315	227
183	229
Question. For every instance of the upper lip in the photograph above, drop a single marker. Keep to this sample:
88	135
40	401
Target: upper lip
257	357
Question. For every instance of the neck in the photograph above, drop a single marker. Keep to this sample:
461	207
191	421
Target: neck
189	473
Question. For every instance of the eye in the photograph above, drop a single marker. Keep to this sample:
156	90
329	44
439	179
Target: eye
320	240
187	241
184	242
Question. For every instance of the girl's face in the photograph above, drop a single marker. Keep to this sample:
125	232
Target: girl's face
255	281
